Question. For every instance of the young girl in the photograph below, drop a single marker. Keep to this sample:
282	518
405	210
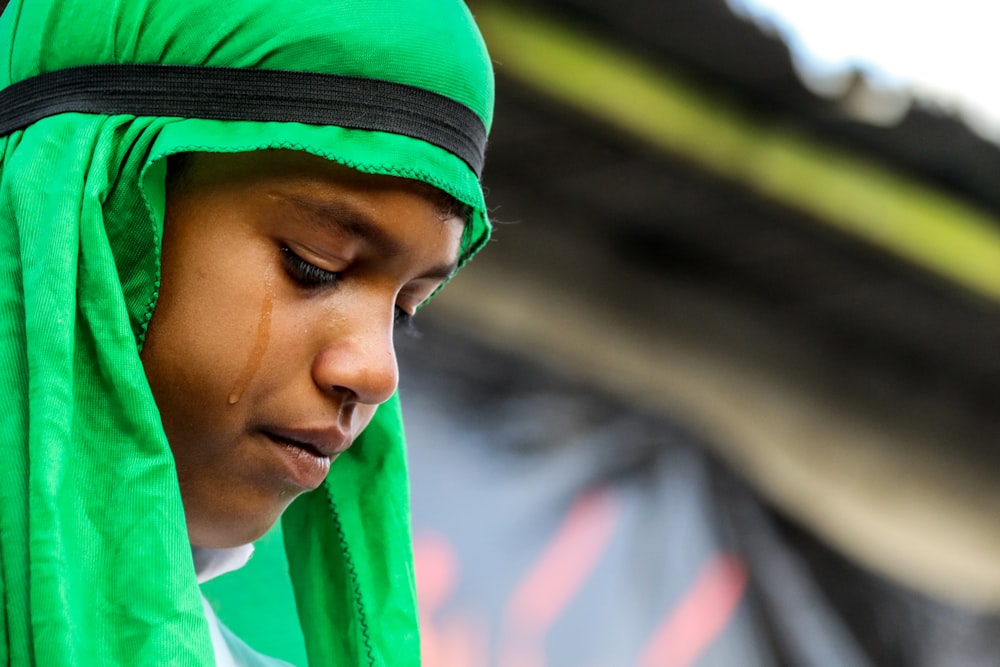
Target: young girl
212	218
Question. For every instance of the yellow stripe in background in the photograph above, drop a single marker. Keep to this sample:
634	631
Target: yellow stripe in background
903	216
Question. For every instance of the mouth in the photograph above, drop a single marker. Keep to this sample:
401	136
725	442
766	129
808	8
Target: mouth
304	457
327	442
306	447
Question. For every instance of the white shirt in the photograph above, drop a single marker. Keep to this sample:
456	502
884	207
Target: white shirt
230	650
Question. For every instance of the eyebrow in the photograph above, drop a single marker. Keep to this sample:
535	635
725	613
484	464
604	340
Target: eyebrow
345	219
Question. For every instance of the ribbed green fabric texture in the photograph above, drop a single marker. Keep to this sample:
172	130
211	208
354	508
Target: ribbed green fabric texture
95	566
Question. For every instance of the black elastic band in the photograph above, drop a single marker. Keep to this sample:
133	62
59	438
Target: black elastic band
222	93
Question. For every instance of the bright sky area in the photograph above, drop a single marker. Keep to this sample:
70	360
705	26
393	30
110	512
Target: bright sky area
946	52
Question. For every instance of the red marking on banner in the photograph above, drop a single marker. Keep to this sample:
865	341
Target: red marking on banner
463	642
557	576
436	567
700	616
565	563
443	643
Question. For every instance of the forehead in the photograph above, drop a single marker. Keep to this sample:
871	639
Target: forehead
252	167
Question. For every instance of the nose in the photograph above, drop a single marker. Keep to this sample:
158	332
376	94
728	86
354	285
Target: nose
362	361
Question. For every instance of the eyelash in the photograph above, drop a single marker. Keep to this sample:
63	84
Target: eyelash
306	274
311	276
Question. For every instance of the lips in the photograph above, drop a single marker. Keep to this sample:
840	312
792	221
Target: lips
304	446
326	442
303	456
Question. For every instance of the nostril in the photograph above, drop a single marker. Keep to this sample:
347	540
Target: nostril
347	394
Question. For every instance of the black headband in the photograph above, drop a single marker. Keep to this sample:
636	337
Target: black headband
223	93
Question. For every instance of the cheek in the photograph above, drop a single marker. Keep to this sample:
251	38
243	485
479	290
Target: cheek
183	375
210	311
195	345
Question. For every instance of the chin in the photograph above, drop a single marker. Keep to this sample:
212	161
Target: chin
232	531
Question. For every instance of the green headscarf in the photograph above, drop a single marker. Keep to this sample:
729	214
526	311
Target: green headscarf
95	565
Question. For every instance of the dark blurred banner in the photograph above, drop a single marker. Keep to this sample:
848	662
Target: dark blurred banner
555	527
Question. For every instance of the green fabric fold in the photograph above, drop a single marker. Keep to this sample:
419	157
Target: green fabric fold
366	563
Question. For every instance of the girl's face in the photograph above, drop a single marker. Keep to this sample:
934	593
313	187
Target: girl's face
283	277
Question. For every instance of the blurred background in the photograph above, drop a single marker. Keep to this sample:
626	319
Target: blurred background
723	390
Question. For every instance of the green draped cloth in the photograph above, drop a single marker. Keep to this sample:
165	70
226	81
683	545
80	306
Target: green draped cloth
95	565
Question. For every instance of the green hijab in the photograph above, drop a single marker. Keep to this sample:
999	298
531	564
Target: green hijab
95	565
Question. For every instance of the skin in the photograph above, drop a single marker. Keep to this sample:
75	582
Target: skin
283	277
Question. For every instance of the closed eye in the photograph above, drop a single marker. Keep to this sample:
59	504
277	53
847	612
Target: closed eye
309	275
304	273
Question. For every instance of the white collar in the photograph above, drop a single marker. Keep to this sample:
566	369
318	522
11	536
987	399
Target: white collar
210	563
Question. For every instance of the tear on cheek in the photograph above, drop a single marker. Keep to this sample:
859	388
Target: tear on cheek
261	341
